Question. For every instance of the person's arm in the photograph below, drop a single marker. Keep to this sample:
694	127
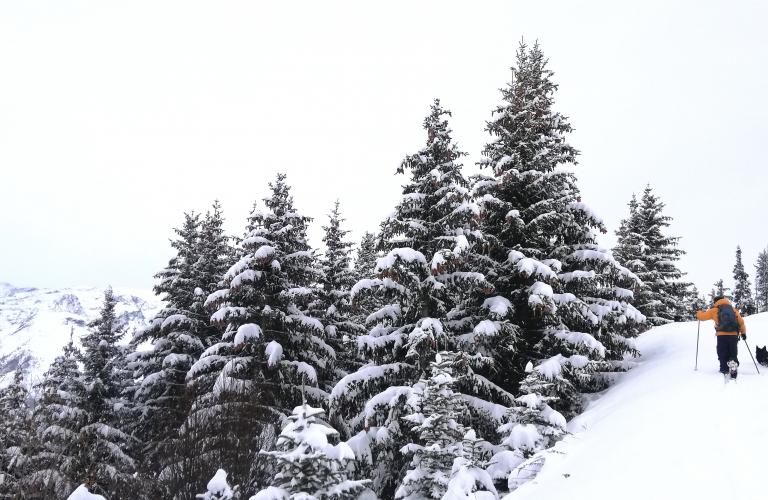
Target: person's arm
707	315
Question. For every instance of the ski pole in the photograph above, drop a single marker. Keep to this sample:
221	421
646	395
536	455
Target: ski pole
697	346
750	355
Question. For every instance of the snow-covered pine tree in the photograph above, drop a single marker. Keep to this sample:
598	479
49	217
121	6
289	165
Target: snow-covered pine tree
662	293
251	378
56	463
103	446
469	475
720	290
761	281
367	255
742	291
216	253
16	436
436	420
431	296
337	280
179	334
307	465
365	266
570	296
333	303
693	302
630	244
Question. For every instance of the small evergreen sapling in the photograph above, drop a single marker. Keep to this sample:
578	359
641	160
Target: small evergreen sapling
308	466
442	466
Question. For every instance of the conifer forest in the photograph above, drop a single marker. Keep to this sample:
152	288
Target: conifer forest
437	358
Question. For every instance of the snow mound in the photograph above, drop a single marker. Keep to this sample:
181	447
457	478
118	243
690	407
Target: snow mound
82	493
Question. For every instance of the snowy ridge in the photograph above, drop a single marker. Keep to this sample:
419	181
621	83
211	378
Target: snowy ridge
35	323
664	430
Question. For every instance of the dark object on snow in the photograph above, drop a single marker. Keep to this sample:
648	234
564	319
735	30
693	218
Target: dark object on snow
761	353
727	349
726	319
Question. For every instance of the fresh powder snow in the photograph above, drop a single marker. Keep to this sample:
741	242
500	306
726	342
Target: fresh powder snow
665	430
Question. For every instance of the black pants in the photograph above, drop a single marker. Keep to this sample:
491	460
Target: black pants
727	349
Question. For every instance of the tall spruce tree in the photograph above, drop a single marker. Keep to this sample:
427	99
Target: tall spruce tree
761	281
179	334
251	379
630	244
56	461
337	280
693	302
570	296
103	453
720	290
742	291
16	436
663	293
367	255
431	297
342	325
365	265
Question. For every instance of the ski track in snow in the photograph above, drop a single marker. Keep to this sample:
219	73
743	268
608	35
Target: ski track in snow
667	431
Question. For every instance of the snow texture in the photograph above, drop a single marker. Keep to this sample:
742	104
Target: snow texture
662	404
247	331
82	493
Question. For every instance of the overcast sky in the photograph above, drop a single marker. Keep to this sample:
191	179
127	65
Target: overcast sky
117	117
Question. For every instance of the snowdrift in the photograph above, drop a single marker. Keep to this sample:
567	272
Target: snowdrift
665	430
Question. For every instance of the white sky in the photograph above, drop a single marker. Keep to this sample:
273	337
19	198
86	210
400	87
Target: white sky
116	117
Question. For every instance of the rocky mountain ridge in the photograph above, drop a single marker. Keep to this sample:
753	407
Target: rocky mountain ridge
35	323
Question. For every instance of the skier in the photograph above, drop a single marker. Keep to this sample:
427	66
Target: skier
728	325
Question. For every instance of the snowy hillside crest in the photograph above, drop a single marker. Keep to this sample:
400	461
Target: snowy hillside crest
36	323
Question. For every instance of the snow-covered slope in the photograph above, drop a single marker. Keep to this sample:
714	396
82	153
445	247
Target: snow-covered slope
35	323
667	431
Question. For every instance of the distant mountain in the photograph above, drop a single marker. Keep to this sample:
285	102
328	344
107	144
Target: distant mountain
35	323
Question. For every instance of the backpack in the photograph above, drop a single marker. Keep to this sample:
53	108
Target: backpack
726	319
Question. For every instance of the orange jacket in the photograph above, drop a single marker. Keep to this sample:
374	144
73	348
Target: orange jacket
712	314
